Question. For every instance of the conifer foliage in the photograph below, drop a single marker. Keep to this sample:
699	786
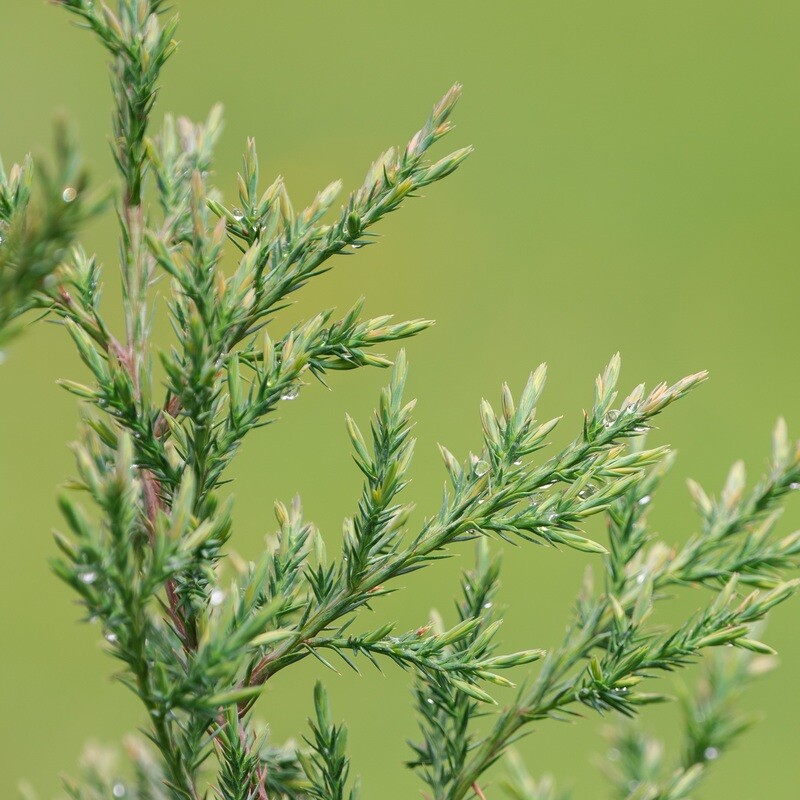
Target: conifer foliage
197	634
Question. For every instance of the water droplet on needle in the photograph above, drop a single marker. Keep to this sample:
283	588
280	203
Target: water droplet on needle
290	392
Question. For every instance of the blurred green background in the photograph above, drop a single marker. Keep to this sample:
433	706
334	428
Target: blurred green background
635	187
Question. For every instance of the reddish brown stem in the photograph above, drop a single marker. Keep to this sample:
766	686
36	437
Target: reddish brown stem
153	504
173	408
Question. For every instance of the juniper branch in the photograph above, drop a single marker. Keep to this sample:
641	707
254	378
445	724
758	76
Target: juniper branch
711	724
613	623
147	561
41	212
492	494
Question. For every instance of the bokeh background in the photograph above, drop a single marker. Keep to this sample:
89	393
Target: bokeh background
635	187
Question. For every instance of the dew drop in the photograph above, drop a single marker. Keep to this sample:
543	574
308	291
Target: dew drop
487	605
710	753
69	194
290	393
610	418
118	790
645	501
552	517
481	501
587	491
238	214
111	638
793	486
480	468
518	462
430	701
217	597
88	577
356	246
640	578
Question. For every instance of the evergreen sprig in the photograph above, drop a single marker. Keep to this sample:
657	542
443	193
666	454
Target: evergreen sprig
197	631
711	723
42	209
636	764
610	648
